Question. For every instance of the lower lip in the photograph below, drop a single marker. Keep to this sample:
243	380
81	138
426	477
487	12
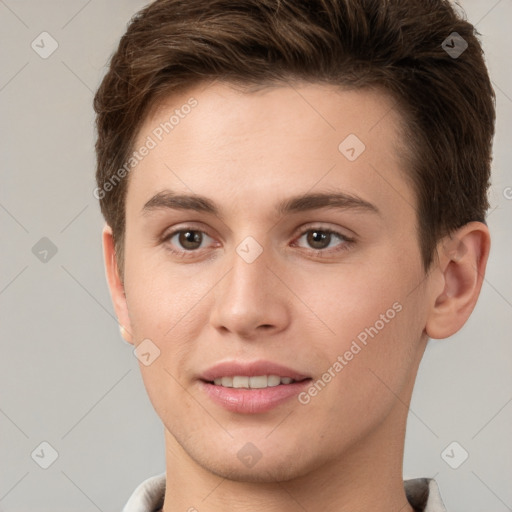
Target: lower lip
253	401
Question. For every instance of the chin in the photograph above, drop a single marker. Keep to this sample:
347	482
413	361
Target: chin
271	468
276	460
261	473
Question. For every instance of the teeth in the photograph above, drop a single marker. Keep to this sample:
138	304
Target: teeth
273	380
256	382
240	382
227	382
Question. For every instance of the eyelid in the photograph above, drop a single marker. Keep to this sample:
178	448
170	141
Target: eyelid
191	226
345	235
346	240
167	235
342	232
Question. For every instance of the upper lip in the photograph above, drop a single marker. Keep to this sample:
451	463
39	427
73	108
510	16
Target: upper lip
250	369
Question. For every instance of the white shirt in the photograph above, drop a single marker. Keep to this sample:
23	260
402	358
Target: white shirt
422	493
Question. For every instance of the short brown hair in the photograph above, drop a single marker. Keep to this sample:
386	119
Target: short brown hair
446	101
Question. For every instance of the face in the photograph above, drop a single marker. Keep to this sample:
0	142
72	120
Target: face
273	233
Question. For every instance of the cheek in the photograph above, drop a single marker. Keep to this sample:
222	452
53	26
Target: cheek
348	300
164	310
160	298
363	372
370	325
165	307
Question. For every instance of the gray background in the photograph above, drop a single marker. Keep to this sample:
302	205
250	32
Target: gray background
68	379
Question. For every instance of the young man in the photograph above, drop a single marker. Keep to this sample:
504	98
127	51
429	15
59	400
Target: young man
295	198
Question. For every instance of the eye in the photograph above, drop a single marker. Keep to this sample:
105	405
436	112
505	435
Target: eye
320	239
186	240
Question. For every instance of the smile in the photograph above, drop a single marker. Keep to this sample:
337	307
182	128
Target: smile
253	382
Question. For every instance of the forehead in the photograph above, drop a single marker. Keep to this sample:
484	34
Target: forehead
247	148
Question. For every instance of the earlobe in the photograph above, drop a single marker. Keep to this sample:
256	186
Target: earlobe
125	334
115	284
461	268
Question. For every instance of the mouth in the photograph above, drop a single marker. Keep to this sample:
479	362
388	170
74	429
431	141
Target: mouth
250	374
253	382
251	387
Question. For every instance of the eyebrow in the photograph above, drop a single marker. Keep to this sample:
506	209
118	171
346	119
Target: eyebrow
166	199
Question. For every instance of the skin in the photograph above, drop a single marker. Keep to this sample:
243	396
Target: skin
247	152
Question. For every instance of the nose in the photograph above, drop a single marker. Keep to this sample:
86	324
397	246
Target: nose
251	300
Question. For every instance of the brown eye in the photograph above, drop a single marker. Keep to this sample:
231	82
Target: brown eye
318	239
190	240
323	241
186	240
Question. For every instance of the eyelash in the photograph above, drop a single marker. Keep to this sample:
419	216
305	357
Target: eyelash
344	246
346	242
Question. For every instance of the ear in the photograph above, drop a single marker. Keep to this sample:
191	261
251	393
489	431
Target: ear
462	262
115	284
